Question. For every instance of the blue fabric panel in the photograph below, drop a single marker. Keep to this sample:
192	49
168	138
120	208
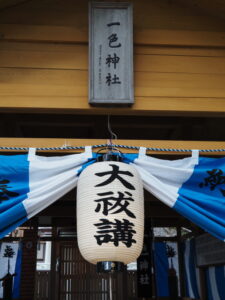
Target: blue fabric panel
208	285
220	280
187	291
129	158
192	269
14	186
17	278
161	269
15	170
90	162
193	213
202	197
12	218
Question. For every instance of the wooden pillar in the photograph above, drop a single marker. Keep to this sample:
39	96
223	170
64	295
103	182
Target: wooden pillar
29	256
181	262
54	265
202	276
124	287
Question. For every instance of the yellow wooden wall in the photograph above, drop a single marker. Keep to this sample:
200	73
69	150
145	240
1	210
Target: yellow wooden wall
179	58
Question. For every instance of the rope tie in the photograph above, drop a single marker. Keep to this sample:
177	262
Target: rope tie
105	145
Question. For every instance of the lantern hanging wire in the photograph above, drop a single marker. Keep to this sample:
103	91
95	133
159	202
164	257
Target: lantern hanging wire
112	153
113	136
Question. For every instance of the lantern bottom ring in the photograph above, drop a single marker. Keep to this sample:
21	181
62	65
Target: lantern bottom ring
110	267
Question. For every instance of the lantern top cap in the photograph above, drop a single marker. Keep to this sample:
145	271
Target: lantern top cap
112	154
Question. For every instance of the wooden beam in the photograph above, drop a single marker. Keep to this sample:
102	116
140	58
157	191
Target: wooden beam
180	38
45	77
213	8
50	143
199	70
9	3
151	106
66	34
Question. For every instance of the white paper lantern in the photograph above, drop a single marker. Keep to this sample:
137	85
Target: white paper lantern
110	212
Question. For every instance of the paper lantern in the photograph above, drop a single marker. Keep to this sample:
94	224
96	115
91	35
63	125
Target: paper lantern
110	213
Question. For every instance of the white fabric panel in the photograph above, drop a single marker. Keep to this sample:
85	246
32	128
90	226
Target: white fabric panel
198	280
4	262
51	178
186	262
213	283
163	178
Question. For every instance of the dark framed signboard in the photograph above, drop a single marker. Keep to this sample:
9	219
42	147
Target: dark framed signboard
111	53
209	250
144	270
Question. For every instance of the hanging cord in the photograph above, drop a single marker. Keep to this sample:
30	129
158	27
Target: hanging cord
106	145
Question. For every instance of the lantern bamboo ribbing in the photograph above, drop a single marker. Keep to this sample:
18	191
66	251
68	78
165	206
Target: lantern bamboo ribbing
110	212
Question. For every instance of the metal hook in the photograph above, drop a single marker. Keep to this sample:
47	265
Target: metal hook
112	153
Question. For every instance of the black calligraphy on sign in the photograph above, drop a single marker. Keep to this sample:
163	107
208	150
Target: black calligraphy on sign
114	60
115	173
144	268
216	177
144	279
115	232
5	194
113	23
112	80
114	205
9	252
113	38
144	265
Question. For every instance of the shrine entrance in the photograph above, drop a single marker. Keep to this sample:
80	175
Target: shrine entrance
78	279
75	279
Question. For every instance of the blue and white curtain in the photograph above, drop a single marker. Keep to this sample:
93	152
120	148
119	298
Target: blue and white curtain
29	183
215	278
192	281
193	186
14	264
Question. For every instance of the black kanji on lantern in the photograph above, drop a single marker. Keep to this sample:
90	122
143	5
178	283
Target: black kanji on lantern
115	232
214	179
112	60
5	194
115	174
113	41
114	205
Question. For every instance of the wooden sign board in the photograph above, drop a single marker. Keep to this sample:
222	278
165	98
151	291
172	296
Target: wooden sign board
209	250
110	53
